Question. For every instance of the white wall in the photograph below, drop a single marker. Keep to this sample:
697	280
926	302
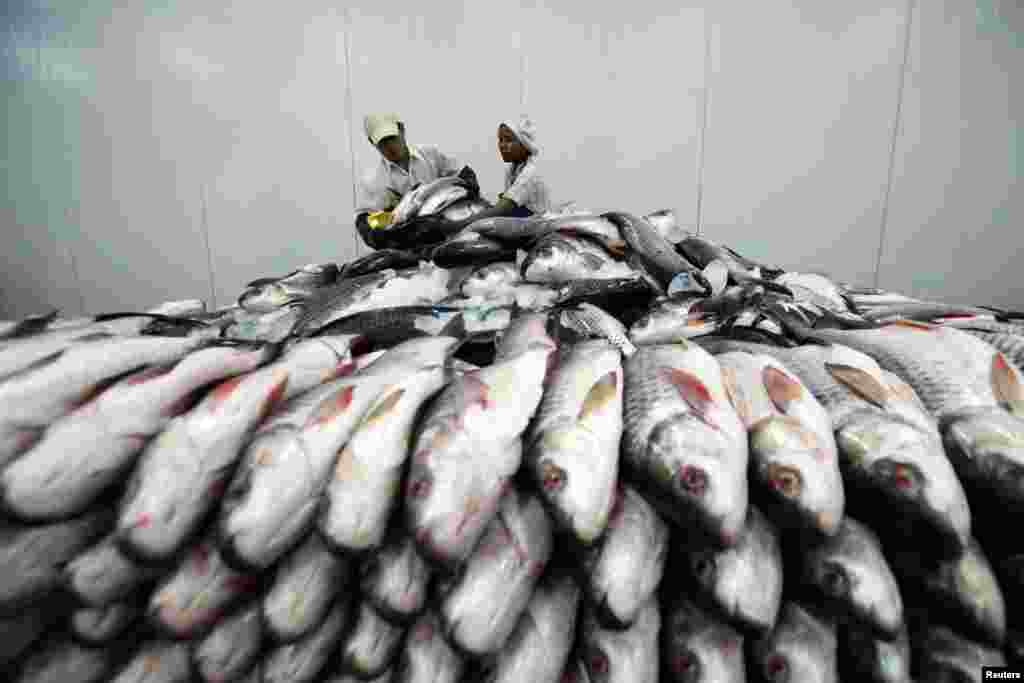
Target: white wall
178	151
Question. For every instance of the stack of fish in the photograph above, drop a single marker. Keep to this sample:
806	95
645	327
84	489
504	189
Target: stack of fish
628	454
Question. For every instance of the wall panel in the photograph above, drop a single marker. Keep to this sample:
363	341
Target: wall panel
803	99
956	208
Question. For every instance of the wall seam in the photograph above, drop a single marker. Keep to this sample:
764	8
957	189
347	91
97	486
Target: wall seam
204	226
348	117
897	121
705	96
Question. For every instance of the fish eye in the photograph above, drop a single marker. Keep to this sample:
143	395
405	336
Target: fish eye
597	662
785	480
686	665
693	479
834	581
419	486
905	476
553	477
776	668
704	567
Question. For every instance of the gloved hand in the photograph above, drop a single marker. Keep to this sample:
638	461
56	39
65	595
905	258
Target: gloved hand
379	219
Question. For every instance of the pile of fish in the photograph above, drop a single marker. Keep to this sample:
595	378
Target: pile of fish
566	448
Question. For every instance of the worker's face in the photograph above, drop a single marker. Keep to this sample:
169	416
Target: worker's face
512	151
393	149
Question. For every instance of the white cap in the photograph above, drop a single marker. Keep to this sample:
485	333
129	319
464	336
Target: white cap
380	126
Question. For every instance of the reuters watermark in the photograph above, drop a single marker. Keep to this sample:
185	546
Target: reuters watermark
1000	673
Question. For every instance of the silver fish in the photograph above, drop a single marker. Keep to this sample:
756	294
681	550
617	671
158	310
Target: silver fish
683	440
592	226
273	497
372	645
65	661
424	285
103	574
509	228
33	401
27	354
32	557
864	658
185	470
99	625
427	657
816	289
272	296
494	278
618	656
666	222
525	330
198	593
107	434
305	584
744	582
386	677
591	320
952	371
158	662
964	590
850	572
539	647
413	201
304	660
468	247
944	655
793	451
1010	345
231	648
657	253
465	209
803	647
395	579
560	258
481	609
441	200
19	632
185	308
363	491
573	442
466	450
921	311
270	327
672	319
696	646
623	572
892	457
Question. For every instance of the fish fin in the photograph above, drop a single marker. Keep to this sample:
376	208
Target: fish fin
859	382
690	387
384	407
33	366
736	398
592	261
275	396
912	324
782	389
1006	384
616	247
599	395
332	406
222	391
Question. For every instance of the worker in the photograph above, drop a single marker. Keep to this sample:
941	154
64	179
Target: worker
401	168
525	193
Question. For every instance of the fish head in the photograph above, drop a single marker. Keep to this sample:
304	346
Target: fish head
790	466
851	571
669	322
907	464
696	465
699	648
989	447
801	648
577	499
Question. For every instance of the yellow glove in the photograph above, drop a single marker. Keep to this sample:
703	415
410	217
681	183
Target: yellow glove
379	219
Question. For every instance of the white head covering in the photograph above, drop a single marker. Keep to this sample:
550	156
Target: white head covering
525	131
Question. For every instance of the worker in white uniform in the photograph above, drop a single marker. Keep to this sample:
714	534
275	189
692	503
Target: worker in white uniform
526	193
402	167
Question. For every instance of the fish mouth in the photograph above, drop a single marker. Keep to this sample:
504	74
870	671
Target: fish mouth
987	452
